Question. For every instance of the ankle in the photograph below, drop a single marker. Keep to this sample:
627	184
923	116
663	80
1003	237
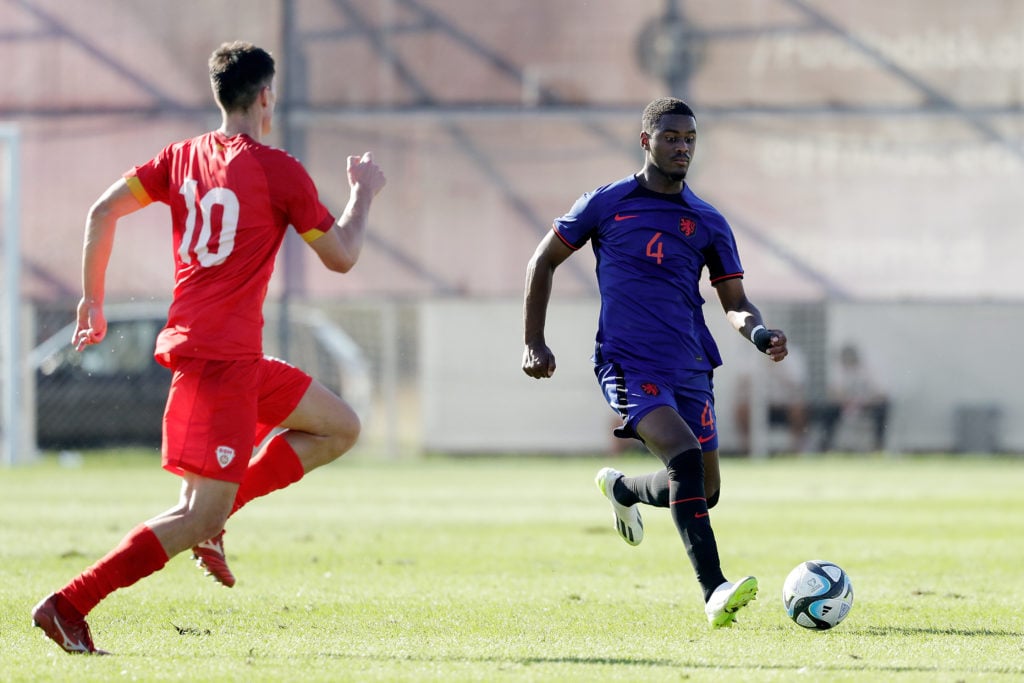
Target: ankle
623	494
66	609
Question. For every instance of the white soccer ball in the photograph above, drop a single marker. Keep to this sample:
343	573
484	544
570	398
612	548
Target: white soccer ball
817	594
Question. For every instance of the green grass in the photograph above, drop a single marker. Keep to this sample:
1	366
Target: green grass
509	570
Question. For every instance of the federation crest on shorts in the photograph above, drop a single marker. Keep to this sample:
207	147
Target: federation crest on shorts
650	388
687	226
225	454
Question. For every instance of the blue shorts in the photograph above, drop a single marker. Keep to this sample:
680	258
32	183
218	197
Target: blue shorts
634	392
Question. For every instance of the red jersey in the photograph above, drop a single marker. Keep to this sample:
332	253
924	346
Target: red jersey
231	199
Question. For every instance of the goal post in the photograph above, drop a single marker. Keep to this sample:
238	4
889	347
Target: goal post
16	446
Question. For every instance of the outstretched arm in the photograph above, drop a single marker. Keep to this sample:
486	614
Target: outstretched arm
339	248
538	361
747	320
100	226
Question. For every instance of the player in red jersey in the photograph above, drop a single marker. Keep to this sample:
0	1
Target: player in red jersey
232	198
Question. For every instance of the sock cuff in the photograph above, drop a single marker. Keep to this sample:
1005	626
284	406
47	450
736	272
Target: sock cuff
282	454
149	544
138	555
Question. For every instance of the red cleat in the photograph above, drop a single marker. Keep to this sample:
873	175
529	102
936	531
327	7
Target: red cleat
64	625
209	556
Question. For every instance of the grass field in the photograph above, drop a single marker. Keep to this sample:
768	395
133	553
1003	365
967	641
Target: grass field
509	570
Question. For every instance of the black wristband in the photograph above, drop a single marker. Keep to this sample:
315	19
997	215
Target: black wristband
761	338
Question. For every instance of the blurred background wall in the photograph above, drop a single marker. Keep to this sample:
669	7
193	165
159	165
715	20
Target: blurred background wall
868	156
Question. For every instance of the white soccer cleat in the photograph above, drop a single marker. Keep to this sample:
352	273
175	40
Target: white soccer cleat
728	599
627	519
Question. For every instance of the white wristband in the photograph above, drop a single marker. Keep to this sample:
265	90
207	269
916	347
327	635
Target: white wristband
753	332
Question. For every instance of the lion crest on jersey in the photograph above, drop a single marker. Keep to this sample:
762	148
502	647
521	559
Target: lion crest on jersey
687	226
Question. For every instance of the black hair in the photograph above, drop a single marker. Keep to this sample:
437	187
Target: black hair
663	106
238	71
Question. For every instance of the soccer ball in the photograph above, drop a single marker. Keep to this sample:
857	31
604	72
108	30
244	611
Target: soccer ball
817	594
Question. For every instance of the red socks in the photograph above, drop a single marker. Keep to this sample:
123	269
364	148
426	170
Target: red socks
274	468
140	553
137	556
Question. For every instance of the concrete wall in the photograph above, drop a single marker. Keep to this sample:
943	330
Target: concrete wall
475	398
934	360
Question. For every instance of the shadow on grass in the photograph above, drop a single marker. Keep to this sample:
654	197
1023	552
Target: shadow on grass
857	664
951	631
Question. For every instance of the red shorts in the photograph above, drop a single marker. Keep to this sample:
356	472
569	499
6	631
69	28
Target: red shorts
219	410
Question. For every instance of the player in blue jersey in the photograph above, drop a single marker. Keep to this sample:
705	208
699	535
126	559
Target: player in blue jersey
654	355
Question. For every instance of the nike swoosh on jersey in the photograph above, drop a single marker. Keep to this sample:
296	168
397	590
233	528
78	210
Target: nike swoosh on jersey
620	217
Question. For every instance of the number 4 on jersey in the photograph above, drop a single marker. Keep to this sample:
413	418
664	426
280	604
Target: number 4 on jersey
655	248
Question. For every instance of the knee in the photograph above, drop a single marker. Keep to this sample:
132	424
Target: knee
688	465
343	432
713	498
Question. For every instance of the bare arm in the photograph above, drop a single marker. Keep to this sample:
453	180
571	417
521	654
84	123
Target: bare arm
538	361
339	248
100	226
745	317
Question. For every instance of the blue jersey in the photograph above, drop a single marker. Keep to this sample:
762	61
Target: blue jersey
651	250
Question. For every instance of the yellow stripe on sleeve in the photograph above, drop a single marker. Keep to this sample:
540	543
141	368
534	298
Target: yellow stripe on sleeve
138	191
312	235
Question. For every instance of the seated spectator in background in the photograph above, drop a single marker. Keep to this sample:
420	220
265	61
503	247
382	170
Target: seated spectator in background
853	392
784	396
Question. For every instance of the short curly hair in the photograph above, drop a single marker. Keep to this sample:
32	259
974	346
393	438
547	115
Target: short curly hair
238	71
663	106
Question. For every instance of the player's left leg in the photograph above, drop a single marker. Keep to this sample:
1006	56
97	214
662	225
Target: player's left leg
712	477
729	598
669	437
319	427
